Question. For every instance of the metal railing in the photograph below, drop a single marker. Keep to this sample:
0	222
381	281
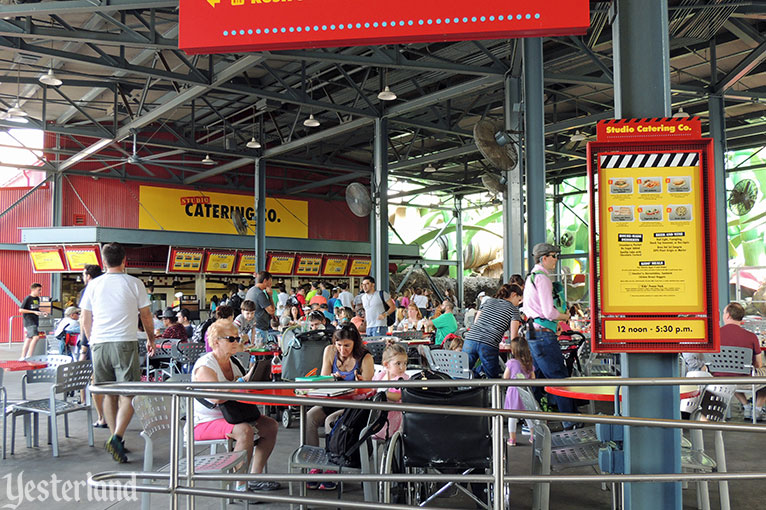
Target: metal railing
10	328
497	477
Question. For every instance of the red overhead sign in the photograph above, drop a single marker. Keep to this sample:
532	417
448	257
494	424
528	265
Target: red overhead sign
636	130
225	26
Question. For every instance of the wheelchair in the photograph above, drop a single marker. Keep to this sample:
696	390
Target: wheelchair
420	447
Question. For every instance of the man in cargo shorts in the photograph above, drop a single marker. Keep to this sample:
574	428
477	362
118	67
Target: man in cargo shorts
110	305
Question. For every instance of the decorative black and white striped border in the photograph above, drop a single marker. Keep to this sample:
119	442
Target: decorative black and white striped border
667	159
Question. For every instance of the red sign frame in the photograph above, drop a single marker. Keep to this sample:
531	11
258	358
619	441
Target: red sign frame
48	249
94	248
711	342
275	270
234	26
307	256
637	130
174	252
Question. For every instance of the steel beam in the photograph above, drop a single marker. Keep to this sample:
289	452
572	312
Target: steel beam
534	142
83	6
642	89
742	68
380	203
232	165
513	198
434	157
327	182
259	196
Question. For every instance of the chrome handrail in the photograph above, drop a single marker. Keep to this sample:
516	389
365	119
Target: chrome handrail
10	328
498	477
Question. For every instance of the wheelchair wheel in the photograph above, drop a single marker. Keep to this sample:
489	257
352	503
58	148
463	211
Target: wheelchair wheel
393	492
287	418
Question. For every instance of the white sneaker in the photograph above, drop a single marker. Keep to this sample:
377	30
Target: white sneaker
748	411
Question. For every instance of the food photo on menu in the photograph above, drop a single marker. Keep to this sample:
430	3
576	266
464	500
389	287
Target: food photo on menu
621	185
622	213
650	185
650	213
680	212
680	184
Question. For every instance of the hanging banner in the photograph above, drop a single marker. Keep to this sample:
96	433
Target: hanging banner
48	259
228	26
186	210
79	256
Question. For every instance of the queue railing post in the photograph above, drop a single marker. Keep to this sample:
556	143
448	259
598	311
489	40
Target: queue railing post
174	450
190	450
497	449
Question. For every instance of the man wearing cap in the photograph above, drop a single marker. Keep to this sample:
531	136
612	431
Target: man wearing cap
173	329
69	324
538	305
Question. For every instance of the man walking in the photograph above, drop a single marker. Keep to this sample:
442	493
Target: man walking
539	305
109	307
30	309
377	306
260	294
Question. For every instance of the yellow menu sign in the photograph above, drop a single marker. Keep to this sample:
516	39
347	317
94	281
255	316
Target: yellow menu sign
360	267
335	266
309	265
78	258
186	261
246	264
281	264
651	239
47	260
220	262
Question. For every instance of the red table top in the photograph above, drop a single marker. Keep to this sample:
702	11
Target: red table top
18	366
605	393
357	394
264	353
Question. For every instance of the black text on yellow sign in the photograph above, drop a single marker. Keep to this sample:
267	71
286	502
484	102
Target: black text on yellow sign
658	330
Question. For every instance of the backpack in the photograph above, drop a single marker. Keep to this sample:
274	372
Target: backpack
390	319
235	302
346	437
199	331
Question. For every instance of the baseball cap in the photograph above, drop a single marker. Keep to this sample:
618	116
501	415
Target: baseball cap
541	249
168	313
481	294
71	310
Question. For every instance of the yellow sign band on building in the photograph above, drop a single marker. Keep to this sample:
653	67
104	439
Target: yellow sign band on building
648	330
187	210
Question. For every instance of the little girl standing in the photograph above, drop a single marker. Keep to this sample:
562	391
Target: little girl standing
518	367
395	363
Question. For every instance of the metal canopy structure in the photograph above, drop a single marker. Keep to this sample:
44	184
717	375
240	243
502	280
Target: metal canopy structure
123	76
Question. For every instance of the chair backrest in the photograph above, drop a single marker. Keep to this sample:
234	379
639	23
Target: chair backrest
529	401
47	374
735	360
715	401
73	376
452	363
689	405
53	360
187	352
243	358
409	335
376	350
426	436
154	413
179	378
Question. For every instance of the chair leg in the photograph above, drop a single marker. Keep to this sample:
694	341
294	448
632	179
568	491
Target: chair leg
91	440
703	493
720	459
66	425
54	431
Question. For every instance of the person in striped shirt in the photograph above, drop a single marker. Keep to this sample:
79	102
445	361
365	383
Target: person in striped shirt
482	342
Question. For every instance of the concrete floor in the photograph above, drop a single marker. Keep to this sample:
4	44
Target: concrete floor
77	459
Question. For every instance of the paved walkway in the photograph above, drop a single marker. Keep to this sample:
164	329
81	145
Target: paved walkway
744	453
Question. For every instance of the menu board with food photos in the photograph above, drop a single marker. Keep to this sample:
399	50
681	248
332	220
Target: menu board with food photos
651	234
220	262
185	260
308	265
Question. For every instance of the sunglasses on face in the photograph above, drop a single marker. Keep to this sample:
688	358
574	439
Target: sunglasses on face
231	339
554	255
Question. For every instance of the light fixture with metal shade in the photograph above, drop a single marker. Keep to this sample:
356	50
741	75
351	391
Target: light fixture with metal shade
681	113
311	121
50	79
16	114
578	136
429	169
253	143
208	160
387	94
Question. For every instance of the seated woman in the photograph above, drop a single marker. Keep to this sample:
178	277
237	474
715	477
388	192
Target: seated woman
413	321
216	366
346	359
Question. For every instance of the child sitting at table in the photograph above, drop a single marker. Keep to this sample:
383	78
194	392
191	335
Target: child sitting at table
453	342
395	364
518	367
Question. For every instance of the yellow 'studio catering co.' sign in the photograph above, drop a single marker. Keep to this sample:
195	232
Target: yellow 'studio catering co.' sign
194	211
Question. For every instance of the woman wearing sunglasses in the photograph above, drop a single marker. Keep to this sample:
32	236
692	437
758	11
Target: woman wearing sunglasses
209	424
346	359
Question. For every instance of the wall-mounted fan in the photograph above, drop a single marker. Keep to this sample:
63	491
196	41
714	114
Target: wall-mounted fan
494	184
496	144
358	199
742	198
239	222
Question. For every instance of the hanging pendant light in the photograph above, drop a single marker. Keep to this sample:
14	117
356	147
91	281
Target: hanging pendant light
253	143
387	94
578	136
50	79
430	169
311	121
208	160
16	113
681	113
